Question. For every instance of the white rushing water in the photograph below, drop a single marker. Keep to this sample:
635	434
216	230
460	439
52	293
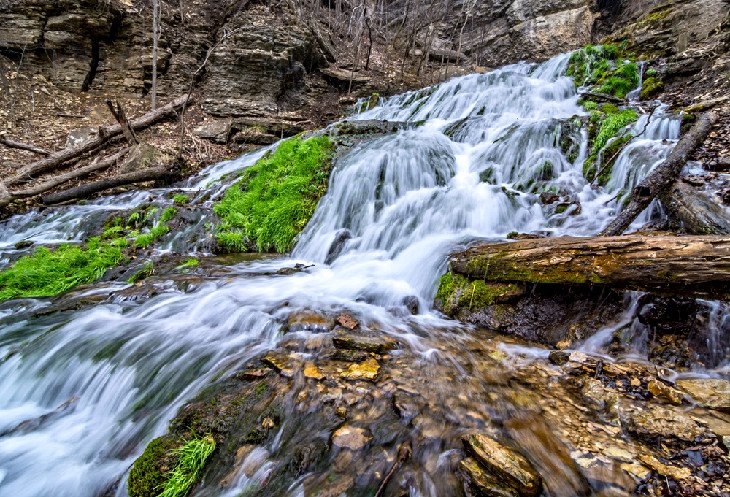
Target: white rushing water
81	393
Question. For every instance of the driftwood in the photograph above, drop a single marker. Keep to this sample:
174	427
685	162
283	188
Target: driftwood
163	173
121	117
662	177
697	266
23	146
105	134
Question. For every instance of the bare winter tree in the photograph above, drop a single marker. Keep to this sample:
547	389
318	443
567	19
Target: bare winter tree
155	43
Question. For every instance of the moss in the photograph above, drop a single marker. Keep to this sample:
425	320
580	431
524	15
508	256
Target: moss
651	87
148	474
458	292
487	176
545	172
191	460
275	198
46	272
180	199
609	154
159	230
611	125
606	69
190	263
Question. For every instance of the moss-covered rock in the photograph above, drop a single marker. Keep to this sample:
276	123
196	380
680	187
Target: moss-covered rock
456	291
150	471
652	86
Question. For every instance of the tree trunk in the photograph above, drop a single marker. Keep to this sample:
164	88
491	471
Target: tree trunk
697	266
69	154
155	42
84	191
662	177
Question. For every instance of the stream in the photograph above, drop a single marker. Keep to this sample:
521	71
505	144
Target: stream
83	391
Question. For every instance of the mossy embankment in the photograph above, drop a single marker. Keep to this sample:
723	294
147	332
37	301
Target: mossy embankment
274	199
608	73
50	271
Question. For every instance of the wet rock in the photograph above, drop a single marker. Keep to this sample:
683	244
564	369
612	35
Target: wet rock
253	373
708	392
312	371
296	268
412	304
653	421
348	437
24	244
347	321
366	370
481	483
509	466
348	355
663	391
338	244
80	136
406	407
665	469
366	341
281	362
548	198
559	357
309	321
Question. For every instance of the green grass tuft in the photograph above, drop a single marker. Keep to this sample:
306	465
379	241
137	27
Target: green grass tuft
191	459
145	271
46	272
180	199
275	197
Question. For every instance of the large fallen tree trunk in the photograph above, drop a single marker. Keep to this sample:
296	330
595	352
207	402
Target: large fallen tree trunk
696	266
105	134
163	173
662	177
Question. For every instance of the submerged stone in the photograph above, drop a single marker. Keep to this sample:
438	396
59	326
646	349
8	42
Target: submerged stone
283	363
347	321
655	421
366	370
348	437
508	465
482	483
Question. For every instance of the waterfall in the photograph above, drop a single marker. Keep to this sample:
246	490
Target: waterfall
82	392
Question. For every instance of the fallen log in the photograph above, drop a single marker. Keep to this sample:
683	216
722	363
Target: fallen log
662	177
693	266
105	134
23	146
159	173
96	166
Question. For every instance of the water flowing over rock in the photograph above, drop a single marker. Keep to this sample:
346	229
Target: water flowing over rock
327	407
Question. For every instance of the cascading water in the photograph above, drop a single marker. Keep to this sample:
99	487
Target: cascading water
82	392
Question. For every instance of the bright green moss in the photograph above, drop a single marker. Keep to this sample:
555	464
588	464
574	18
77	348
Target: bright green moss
275	197
147	476
604	69
49	272
159	230
651	87
611	125
180	199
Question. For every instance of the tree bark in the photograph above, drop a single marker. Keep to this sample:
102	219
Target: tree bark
23	146
69	154
121	118
662	177
84	191
155	42
697	266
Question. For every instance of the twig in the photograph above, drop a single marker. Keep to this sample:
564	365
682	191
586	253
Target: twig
23	146
404	453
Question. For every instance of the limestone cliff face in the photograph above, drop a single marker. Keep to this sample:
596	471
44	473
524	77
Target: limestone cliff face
264	62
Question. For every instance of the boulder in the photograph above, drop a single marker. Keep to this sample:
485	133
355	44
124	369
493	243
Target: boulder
217	131
366	341
481	483
314	322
